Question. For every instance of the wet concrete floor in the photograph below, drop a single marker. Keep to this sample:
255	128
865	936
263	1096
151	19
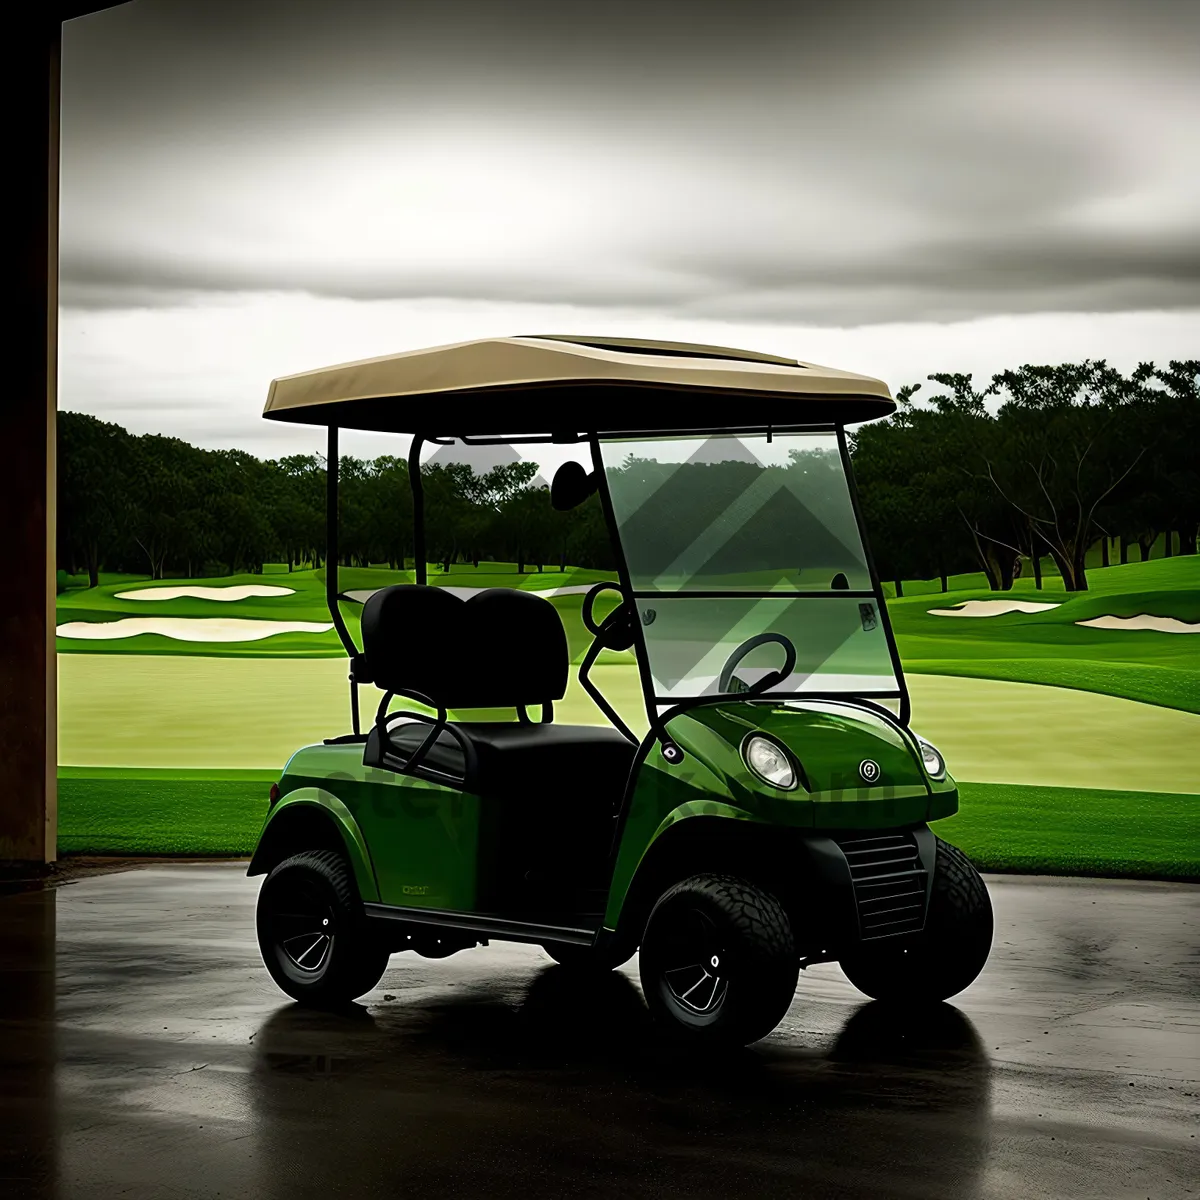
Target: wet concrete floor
145	1052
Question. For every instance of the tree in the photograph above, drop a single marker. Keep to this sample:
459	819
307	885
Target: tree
296	507
1175	466
912	494
1067	438
162	486
448	491
528	521
964	436
93	458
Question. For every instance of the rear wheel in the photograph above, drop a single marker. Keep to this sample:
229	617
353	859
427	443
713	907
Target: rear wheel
947	956
718	961
312	934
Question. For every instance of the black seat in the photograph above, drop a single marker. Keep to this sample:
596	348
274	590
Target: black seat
499	649
516	760
549	793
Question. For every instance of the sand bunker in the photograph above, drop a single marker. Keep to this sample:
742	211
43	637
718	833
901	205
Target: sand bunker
1143	621
990	608
361	595
239	591
188	629
571	589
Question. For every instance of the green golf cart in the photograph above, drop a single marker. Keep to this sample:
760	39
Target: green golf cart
767	807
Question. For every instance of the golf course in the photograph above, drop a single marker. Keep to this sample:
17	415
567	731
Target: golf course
1072	721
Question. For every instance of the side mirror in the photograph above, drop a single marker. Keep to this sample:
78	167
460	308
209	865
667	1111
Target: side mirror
571	486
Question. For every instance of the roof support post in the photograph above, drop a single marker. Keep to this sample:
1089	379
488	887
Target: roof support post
418	498
332	463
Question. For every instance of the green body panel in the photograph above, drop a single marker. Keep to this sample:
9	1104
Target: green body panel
424	845
828	739
343	818
943	798
423	837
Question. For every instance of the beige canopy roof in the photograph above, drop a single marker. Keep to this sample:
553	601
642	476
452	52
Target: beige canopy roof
526	385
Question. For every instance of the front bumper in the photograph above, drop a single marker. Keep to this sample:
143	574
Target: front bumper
865	886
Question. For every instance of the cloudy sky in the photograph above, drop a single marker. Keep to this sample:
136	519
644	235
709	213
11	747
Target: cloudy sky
257	187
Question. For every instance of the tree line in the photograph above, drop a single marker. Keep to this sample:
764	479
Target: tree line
1041	462
157	505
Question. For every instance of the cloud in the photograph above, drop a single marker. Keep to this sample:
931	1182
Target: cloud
257	187
823	165
201	372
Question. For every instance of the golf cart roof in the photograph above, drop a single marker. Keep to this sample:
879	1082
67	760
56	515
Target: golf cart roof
513	386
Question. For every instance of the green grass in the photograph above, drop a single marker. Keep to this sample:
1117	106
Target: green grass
1002	827
157	711
185	813
1048	647
184	711
1045	648
1076	831
1166	686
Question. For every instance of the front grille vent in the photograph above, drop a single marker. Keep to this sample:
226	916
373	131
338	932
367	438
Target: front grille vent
889	883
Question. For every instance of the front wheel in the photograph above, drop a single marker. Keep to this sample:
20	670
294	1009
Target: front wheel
947	955
718	961
311	931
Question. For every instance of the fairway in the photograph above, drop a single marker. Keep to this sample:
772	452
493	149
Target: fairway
996	732
193	711
143	710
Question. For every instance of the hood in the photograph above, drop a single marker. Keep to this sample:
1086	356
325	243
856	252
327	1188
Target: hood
831	740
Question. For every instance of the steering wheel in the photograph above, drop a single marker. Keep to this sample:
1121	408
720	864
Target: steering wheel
726	679
615	632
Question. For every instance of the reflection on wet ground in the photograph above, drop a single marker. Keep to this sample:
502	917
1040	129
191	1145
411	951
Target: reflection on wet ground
144	1052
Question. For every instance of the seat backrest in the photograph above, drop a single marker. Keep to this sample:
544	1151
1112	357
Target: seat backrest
516	650
412	639
499	649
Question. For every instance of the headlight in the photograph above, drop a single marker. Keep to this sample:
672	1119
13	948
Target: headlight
769	762
934	763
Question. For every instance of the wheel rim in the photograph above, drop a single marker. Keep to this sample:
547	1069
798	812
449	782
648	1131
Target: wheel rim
302	926
695	970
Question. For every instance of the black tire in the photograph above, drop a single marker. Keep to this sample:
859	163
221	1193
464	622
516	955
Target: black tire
312	934
947	956
718	961
589	958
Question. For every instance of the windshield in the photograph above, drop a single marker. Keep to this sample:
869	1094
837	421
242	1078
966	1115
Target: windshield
729	539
